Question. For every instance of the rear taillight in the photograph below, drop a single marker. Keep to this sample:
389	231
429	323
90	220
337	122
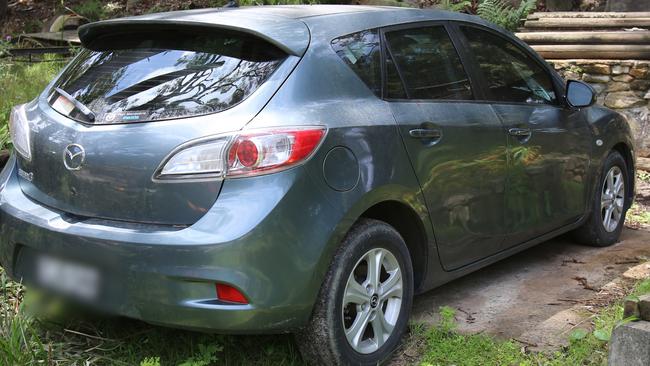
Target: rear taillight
20	132
244	154
256	153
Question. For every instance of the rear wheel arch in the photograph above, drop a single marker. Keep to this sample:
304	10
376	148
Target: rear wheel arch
409	225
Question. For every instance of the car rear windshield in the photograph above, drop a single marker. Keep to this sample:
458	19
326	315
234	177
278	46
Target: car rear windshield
166	75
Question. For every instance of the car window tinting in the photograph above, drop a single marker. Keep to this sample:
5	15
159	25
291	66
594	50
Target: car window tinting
164	76
362	52
429	64
511	74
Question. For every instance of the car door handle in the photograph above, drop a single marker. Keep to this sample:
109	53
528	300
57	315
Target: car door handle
425	133
519	132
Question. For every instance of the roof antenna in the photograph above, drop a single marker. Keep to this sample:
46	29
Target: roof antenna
232	4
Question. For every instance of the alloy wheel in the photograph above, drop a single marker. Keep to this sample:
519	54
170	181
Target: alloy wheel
372	300
612	199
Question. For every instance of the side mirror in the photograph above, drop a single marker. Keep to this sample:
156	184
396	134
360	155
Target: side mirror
579	94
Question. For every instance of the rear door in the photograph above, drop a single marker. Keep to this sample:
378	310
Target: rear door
457	145
548	143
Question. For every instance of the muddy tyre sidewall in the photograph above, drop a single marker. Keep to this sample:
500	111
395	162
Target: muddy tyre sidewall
323	341
593	232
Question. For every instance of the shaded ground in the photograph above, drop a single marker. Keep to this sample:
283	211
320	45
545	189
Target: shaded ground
508	298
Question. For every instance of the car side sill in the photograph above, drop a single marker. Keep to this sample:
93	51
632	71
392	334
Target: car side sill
440	277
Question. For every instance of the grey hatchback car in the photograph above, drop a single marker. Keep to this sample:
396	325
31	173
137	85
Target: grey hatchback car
300	169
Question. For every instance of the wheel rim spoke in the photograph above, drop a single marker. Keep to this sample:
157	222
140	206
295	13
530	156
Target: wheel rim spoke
381	328
610	180
608	217
612	199
357	329
375	259
618	186
392	287
355	293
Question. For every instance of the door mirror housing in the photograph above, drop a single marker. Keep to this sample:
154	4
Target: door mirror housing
579	94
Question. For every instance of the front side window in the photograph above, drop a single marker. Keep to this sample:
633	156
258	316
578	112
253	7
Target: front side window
162	76
511	74
429	64
362	52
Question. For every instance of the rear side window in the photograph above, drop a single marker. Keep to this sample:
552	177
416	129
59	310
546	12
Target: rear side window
394	86
362	52
510	73
163	76
428	64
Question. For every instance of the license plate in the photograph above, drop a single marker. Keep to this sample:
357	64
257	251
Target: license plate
67	278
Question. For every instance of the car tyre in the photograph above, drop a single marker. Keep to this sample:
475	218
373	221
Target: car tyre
336	334
610	200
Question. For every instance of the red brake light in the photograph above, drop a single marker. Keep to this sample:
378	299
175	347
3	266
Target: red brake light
230	294
258	152
247	153
304	143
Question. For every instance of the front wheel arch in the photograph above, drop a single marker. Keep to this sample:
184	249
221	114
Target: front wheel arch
627	153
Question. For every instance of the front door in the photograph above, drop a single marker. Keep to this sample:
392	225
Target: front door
548	143
457	146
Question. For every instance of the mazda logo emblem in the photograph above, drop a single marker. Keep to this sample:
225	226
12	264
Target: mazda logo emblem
374	301
74	156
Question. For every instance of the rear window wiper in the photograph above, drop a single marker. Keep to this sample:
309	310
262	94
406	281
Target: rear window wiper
85	111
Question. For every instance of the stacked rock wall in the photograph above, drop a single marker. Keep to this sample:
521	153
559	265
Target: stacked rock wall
622	85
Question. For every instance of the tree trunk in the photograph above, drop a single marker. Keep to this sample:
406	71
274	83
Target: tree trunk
627	5
559	5
3	8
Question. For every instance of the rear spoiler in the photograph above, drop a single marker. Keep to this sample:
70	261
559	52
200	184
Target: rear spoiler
290	35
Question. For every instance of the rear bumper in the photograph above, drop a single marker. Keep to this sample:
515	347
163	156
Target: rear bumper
268	248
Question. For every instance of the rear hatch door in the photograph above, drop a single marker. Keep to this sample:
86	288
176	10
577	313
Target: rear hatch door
146	94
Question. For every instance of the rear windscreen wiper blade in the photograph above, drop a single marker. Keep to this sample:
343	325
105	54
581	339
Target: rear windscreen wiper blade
85	111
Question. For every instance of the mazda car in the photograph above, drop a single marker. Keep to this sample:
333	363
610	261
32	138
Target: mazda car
302	169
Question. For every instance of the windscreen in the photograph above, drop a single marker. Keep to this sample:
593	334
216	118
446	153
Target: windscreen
162	75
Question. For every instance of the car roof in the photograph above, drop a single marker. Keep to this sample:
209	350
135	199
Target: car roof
308	11
286	26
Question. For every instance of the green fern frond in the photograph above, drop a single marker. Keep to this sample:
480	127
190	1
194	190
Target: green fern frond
454	6
501	13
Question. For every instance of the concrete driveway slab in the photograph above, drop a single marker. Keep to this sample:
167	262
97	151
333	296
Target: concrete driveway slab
512	297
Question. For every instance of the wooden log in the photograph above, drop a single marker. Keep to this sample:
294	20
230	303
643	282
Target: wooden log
585	37
65	37
571	14
614	52
590	23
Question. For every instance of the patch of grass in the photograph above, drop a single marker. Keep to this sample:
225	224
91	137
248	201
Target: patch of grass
643	176
638	215
447	347
22	82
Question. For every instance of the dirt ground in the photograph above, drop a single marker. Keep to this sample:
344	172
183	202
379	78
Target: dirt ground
511	298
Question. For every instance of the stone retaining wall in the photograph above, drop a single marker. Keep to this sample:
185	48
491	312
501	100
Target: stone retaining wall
623	85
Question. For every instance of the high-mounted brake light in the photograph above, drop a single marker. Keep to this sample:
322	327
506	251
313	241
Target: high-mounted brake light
248	153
